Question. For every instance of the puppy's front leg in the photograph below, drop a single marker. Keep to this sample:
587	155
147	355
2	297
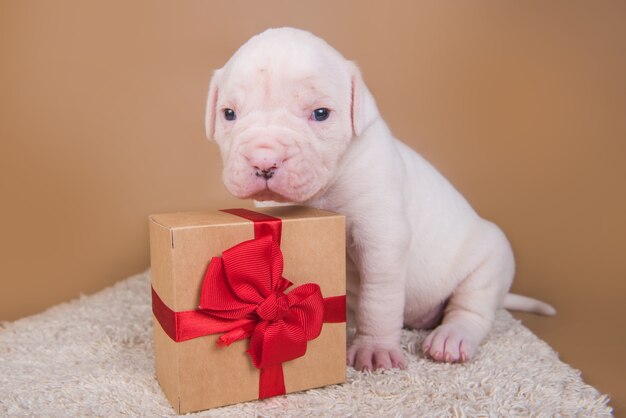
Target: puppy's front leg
379	251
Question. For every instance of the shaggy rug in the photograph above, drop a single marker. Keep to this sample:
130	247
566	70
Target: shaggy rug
93	357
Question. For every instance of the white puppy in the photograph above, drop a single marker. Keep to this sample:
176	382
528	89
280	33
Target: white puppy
295	123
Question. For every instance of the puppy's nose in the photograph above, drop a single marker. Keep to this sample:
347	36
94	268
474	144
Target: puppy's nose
266	174
265	167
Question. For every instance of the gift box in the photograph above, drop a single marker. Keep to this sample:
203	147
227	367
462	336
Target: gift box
247	304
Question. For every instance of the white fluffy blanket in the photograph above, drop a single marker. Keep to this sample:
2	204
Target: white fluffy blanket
93	357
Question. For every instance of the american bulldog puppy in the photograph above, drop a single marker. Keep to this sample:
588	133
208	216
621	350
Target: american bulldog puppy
294	122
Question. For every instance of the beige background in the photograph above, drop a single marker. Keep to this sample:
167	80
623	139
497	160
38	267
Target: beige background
521	104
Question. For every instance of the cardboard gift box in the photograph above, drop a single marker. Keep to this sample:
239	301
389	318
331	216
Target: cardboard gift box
224	319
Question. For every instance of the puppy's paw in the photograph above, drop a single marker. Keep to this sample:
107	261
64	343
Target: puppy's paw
450	343
370	353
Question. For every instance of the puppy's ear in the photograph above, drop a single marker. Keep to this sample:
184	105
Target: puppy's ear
363	108
211	105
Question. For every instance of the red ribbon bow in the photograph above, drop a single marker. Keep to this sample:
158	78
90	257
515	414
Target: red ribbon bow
246	283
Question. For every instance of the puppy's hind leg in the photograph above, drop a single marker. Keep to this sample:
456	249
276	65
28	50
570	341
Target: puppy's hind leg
471	309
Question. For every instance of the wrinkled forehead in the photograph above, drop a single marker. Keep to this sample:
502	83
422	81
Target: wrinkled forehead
270	71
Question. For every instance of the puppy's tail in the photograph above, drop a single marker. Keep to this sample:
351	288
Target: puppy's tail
525	304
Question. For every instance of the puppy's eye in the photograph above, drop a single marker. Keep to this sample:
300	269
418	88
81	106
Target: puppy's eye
229	114
320	114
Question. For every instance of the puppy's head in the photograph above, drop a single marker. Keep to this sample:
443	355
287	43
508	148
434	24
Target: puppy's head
283	111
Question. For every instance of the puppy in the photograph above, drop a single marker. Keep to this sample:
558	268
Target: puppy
294	122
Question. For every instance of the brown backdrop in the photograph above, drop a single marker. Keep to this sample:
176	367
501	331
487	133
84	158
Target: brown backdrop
521	104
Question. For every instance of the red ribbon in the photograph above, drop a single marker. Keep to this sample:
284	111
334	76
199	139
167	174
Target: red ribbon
243	295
